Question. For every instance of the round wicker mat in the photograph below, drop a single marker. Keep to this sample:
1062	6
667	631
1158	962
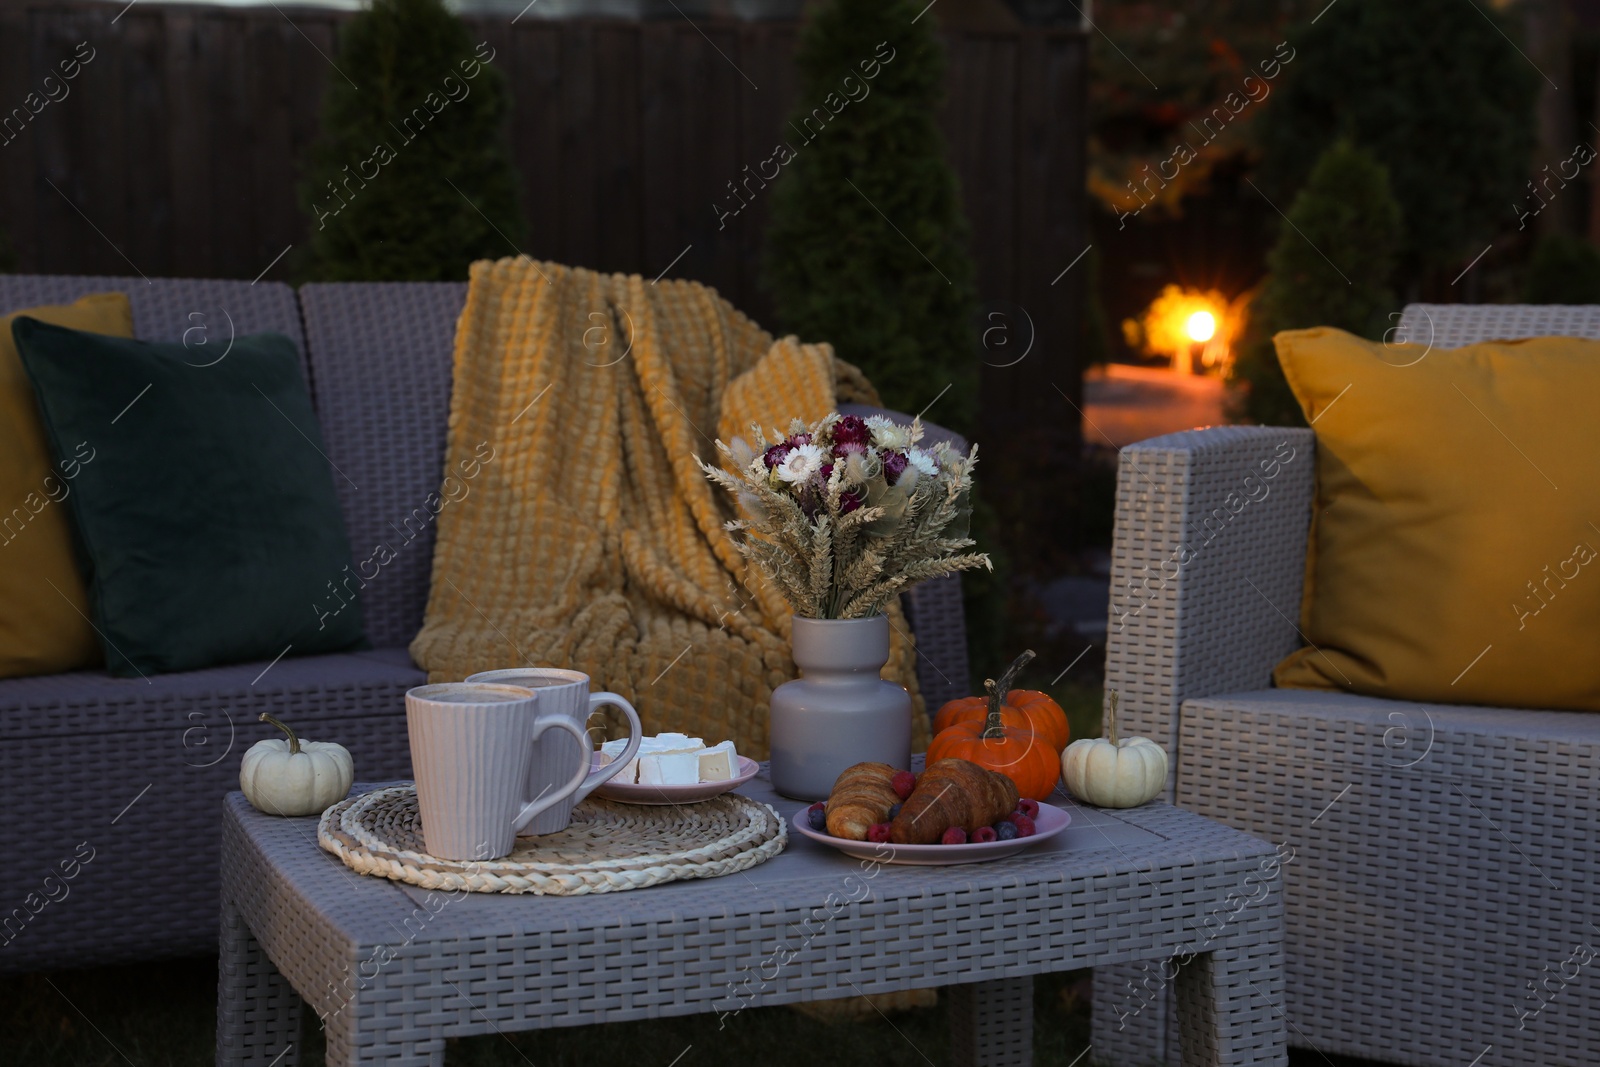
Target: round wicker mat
609	846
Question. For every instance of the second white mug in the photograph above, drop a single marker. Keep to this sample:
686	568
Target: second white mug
564	694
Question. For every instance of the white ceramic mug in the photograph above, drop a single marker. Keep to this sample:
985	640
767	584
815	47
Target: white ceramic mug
471	746
565	695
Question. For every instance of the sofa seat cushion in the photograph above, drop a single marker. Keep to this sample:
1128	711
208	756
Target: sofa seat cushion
123	781
203	709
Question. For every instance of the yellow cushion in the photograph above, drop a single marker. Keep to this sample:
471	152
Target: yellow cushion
1456	529
44	607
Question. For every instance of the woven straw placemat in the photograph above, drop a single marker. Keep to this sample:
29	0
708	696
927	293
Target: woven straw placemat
609	846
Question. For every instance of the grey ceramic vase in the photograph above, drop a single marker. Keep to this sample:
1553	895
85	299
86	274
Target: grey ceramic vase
840	711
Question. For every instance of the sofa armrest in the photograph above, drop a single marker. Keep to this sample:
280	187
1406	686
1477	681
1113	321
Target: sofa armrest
1208	564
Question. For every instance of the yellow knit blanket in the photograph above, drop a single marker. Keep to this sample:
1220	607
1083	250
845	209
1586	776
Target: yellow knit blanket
590	539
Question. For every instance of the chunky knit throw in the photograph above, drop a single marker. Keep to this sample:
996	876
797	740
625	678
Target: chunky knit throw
590	539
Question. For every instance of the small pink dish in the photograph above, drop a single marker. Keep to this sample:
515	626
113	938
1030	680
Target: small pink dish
662	795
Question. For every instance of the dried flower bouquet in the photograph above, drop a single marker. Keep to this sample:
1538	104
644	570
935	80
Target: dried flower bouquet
846	514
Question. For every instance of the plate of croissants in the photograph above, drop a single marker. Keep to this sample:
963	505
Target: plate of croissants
953	812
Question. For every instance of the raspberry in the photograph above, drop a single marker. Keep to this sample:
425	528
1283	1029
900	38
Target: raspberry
903	783
894	809
818	816
878	832
1030	808
983	835
1005	830
954	836
1024	825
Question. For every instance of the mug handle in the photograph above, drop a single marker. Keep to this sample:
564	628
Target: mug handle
612	769
548	800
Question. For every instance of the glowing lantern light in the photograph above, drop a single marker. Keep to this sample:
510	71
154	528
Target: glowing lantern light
1193	328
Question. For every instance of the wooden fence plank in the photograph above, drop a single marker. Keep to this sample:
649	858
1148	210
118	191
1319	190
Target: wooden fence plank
146	180
188	150
766	53
537	136
616	151
573	185
18	160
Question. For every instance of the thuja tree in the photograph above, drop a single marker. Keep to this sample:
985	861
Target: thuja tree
1563	270
1331	266
1436	91
412	178
867	244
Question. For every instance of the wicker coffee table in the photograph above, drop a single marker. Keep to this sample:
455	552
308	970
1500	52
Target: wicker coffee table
394	970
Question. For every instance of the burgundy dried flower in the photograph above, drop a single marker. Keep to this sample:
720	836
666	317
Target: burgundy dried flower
849	501
799	439
776	454
851	430
894	465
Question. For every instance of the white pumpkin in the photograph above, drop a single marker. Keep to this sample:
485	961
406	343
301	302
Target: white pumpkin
1109	772
295	777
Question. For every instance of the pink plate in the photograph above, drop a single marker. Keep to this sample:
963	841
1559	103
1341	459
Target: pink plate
662	795
1051	821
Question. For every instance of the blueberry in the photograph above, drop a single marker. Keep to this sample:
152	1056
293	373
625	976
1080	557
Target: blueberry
819	819
1005	831
894	809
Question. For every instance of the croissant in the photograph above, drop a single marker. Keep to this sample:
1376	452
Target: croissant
861	796
952	792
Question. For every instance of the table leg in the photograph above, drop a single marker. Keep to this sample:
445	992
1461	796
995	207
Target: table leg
991	1023
258	1012
1230	999
348	1047
1131	1013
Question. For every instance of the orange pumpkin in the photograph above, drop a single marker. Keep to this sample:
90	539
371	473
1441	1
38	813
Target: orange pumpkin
1028	709
1014	751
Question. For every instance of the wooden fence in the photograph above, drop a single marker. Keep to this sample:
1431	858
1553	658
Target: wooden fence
176	149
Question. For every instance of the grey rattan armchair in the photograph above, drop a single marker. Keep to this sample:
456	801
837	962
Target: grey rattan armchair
1438	907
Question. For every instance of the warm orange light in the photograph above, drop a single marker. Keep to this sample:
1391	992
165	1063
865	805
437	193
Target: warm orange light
1191	327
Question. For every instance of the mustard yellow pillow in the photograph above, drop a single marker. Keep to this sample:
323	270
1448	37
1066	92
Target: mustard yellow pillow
44	607
1456	529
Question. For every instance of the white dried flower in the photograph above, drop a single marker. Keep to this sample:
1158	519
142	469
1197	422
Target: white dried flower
922	461
800	464
888	434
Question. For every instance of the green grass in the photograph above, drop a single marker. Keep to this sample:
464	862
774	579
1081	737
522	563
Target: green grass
163	1015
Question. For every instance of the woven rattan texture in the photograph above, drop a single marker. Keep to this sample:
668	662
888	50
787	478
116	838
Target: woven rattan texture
1435	902
1443	873
381	356
203	313
1208	562
1207	567
1454	325
609	847
132	771
394	973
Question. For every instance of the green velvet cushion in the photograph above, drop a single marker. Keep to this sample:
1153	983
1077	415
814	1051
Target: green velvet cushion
207	518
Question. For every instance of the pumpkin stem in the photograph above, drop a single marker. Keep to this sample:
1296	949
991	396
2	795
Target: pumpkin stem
294	742
997	694
1111	717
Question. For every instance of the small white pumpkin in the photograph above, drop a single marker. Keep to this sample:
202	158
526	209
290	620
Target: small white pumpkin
295	777
1109	772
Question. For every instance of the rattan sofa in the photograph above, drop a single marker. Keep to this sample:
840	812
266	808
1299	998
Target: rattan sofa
1439	903
122	780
